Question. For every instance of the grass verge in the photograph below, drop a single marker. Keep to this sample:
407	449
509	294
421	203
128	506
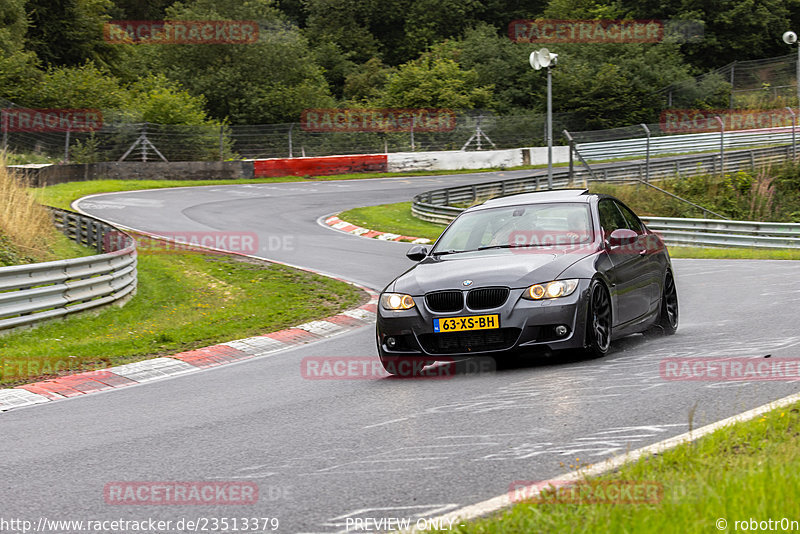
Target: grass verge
397	219
185	301
747	470
393	218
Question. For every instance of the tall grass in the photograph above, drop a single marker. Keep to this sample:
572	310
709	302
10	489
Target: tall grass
26	230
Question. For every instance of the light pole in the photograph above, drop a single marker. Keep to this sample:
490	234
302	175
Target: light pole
544	59
790	38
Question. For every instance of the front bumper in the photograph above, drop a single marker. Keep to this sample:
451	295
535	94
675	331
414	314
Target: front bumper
525	325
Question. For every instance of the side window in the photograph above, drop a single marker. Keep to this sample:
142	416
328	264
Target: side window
633	221
610	217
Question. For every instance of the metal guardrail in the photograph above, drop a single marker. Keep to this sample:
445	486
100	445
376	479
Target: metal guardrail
443	205
715	233
683	143
39	291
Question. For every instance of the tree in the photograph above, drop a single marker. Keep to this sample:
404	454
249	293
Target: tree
19	71
435	82
86	86
269	81
354	25
70	33
366	82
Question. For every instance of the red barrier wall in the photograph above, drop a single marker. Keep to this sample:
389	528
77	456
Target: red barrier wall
319	166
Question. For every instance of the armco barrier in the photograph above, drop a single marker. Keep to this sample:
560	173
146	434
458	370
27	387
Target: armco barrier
321	166
683	143
715	233
39	291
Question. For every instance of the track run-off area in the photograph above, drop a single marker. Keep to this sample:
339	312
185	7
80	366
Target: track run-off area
323	451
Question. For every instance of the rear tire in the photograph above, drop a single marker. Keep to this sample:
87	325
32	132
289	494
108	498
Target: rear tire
598	321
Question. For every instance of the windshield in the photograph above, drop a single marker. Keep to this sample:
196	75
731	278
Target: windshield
537	225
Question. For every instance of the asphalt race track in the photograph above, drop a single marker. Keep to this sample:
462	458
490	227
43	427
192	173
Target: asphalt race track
325	450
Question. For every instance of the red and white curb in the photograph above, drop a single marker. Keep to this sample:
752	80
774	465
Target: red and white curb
187	362
343	226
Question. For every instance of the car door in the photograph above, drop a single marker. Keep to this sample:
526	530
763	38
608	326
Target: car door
645	247
629	274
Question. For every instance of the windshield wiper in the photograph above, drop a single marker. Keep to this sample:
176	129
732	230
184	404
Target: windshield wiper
487	247
451	251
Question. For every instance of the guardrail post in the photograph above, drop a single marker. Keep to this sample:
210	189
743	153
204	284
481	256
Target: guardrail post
446	197
571	159
721	145
221	143
66	146
474	193
647	151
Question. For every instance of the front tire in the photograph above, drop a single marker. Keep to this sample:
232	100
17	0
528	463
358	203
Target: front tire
669	306
598	321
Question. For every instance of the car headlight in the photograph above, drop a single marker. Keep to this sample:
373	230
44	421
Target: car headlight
551	290
397	301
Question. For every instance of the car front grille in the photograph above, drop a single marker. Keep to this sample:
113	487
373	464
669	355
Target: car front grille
445	301
487	297
466	342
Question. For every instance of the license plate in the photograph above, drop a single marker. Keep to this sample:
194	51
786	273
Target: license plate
458	324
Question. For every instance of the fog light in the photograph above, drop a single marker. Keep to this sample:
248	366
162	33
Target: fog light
561	330
391	342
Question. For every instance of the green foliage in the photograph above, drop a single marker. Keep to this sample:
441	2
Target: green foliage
70	33
160	101
434	82
365	83
84	86
13	25
735	30
326	53
86	151
270	81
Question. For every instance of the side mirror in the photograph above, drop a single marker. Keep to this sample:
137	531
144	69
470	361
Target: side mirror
417	252
622	236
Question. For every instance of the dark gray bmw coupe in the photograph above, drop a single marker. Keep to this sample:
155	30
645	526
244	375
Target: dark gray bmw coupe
543	271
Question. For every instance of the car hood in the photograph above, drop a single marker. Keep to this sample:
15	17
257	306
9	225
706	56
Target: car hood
510	268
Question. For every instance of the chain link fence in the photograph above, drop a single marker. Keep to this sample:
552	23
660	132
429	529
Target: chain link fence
759	83
161	142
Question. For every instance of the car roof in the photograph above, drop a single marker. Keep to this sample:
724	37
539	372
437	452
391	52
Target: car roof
571	195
